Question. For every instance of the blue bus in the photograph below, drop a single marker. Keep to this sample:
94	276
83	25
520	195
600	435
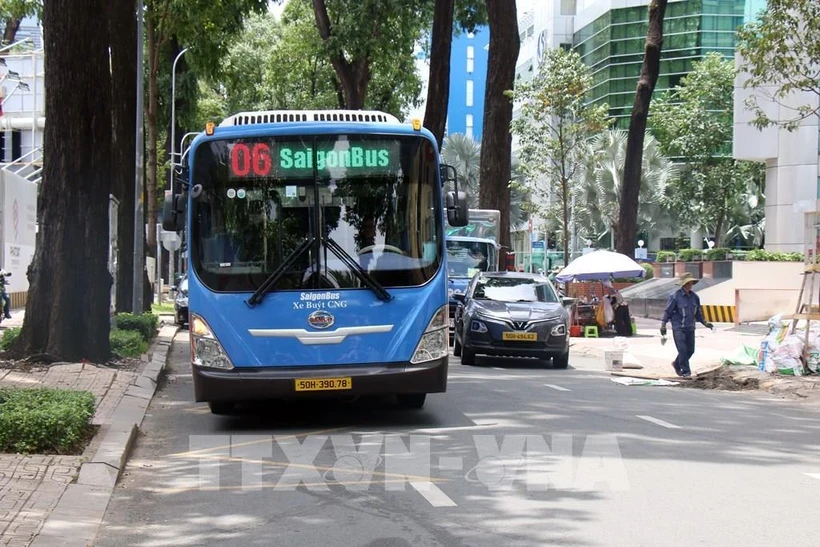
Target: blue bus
316	257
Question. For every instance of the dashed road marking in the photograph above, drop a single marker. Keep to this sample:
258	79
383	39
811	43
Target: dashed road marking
814	475
432	494
499	368
557	388
659	422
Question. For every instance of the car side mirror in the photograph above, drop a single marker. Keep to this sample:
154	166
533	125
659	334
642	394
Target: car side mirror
567	301
457	212
460	298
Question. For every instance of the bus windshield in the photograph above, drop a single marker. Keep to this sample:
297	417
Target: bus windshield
262	198
465	258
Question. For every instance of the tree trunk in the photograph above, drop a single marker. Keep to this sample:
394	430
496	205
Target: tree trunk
10	31
353	75
123	25
67	313
565	207
630	190
496	141
438	87
151	134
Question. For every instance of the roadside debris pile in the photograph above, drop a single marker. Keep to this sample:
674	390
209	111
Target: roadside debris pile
784	352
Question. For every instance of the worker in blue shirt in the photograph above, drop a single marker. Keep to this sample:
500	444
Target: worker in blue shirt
683	310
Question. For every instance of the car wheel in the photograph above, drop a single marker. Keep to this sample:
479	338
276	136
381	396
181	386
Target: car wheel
467	357
412	400
456	347
561	361
221	407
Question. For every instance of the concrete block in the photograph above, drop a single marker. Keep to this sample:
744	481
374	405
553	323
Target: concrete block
115	447
76	519
129	412
96	474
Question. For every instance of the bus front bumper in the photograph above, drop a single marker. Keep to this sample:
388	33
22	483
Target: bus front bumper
259	383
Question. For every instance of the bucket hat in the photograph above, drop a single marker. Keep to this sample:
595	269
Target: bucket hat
685	278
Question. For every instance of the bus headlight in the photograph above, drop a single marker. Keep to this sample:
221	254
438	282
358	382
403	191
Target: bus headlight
433	343
206	351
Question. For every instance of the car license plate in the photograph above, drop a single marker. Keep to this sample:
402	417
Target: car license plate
519	336
323	384
452	323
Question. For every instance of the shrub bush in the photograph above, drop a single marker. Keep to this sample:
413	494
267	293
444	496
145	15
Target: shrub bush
9	336
760	255
688	255
662	256
650	271
45	420
718	253
145	324
127	343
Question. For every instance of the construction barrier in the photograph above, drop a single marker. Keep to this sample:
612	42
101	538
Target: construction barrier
718	314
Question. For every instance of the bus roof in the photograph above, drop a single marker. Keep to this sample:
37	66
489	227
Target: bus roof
296	116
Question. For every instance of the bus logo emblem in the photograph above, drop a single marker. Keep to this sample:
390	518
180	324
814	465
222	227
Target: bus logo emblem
320	319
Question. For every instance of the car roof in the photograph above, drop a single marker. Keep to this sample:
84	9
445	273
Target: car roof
515	275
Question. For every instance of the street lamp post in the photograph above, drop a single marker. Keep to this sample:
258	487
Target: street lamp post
174	146
173	114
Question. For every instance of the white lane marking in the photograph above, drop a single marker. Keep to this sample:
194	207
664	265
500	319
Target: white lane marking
659	422
814	475
432	494
557	388
499	368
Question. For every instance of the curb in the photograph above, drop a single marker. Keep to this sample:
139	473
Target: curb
78	515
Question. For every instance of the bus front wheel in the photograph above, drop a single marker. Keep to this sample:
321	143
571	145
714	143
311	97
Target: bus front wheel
221	407
412	400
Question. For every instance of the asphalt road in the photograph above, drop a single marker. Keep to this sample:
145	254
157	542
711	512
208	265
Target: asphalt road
512	454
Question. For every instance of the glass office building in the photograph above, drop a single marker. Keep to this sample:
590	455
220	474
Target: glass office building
613	46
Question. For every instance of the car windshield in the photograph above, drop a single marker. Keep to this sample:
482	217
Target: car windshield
465	259
518	289
264	197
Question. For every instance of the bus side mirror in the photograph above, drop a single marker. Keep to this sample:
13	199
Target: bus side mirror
457	212
448	173
173	213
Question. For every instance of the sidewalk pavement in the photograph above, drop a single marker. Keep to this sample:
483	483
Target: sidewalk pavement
656	359
51	500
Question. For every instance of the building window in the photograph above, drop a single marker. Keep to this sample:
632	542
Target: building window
470	86
16	144
468	130
470	59
470	35
566	47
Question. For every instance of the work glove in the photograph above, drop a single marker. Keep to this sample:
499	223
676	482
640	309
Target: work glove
663	330
708	325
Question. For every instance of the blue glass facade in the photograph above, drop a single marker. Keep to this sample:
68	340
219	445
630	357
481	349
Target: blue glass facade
468	78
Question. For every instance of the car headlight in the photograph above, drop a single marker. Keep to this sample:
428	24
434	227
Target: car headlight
206	351
433	343
559	330
478	326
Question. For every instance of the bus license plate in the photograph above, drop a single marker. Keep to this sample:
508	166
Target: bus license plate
518	336
323	384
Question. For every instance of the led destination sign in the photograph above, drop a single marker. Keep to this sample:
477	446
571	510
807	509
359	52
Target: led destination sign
299	159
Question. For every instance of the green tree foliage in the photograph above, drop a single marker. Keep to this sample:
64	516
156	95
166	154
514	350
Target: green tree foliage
284	65
553	130
781	48
13	11
693	122
600	181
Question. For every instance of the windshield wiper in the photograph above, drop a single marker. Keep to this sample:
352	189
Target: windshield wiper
277	274
360	272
